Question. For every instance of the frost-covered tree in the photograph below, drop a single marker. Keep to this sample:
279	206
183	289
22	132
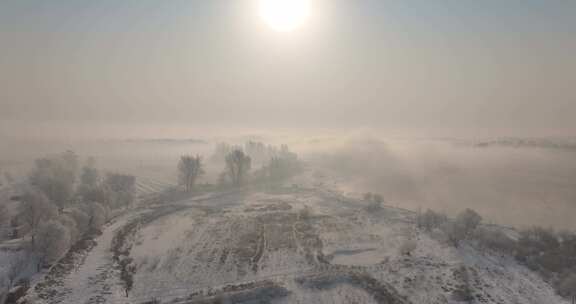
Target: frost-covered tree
462	227
495	239
468	220
90	175
72	227
96	213
81	219
96	193
91	188
237	166
120	189
55	176
35	209
15	267
53	242
190	168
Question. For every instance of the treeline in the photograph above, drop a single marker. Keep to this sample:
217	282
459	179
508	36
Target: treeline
62	203
258	152
274	164
550	253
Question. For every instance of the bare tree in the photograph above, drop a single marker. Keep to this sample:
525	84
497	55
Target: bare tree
35	209
237	166
53	242
190	168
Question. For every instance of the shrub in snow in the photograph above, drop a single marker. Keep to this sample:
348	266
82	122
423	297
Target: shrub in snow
468	220
127	271
431	220
453	233
537	239
53	241
374	201
495	240
462	227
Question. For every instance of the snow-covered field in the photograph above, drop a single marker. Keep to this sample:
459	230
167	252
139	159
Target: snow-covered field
260	246
305	242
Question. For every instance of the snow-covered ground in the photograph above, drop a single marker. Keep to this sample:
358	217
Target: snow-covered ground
300	244
96	278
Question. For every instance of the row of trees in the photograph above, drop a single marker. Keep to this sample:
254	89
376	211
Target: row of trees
462	227
63	204
238	164
258	152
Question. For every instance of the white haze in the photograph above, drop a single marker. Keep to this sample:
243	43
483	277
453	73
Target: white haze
508	186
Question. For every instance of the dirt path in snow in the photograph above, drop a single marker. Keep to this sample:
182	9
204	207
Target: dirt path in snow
95	277
85	275
96	280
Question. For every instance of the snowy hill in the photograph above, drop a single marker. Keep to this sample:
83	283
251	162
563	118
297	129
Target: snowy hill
290	245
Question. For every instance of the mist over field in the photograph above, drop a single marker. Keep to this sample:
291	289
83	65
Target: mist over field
287	152
515	186
509	186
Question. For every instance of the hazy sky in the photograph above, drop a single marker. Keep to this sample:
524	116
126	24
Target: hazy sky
478	66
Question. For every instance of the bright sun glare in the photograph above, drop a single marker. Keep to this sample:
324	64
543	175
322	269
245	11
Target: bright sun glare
284	15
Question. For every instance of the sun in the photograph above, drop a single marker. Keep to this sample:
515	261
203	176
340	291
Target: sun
284	15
